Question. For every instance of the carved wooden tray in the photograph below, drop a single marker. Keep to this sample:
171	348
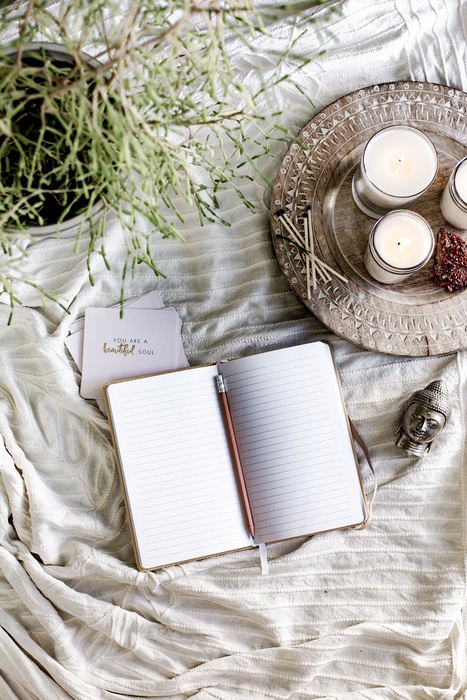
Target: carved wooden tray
412	318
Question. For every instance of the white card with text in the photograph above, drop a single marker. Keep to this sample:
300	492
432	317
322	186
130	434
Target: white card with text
144	341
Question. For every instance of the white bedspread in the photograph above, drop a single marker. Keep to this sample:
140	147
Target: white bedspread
349	615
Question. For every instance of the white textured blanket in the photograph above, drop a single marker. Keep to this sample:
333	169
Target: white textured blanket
349	615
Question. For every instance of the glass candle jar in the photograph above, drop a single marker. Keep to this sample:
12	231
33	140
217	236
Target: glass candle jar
400	243
454	197
398	164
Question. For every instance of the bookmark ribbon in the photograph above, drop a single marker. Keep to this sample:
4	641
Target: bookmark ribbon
263	555
361	442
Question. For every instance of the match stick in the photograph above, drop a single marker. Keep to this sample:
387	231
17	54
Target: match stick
310	236
291	228
307	245
307	258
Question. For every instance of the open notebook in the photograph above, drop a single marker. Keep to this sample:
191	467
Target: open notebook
184	495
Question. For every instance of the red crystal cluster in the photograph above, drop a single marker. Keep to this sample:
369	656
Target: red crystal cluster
450	269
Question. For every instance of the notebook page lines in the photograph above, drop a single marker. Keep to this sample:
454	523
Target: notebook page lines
177	467
293	439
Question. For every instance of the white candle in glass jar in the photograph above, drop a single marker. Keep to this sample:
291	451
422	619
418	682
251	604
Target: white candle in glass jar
454	197
398	164
400	243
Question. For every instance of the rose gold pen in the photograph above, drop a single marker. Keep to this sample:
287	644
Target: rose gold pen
235	453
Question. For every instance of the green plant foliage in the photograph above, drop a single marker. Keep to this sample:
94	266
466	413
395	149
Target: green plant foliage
157	112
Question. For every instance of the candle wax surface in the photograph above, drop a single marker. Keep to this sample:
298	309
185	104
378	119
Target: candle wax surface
402	241
400	162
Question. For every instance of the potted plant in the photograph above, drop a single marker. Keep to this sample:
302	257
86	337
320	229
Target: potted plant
103	111
46	180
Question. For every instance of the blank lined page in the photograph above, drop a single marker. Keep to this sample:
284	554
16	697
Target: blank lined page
176	465
294	441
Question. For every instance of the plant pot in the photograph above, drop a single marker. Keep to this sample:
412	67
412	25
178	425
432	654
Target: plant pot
81	212
70	227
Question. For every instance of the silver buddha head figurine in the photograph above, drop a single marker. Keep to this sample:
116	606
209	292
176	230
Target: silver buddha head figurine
424	415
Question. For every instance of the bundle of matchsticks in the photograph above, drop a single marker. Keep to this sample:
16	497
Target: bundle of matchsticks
315	268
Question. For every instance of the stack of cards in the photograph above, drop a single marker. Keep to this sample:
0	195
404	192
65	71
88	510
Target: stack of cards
107	346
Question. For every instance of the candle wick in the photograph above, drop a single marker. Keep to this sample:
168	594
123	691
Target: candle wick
400	163
404	242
